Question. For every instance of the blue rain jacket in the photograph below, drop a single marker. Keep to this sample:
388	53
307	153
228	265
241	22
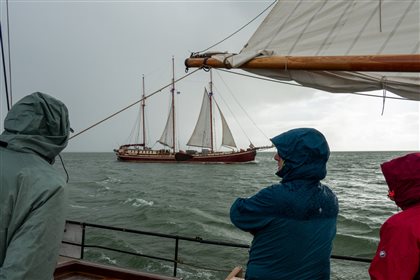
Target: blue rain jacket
31	190
293	222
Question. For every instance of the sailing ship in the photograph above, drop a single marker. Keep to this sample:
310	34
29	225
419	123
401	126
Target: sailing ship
202	137
140	152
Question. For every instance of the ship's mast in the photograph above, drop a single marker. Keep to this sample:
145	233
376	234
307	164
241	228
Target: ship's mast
173	103
211	109
143	104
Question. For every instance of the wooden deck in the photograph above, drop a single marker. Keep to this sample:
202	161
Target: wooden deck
73	269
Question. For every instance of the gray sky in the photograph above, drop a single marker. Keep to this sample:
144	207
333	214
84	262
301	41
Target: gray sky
92	55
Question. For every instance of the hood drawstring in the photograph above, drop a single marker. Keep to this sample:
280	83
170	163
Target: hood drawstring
64	167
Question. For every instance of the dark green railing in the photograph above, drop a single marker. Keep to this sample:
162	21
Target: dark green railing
175	260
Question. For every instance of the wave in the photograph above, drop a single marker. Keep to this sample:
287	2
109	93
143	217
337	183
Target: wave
138	202
78	206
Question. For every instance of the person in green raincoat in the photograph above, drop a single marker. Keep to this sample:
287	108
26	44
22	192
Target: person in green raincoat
32	196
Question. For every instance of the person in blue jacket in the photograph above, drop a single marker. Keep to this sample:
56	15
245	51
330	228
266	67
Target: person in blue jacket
294	221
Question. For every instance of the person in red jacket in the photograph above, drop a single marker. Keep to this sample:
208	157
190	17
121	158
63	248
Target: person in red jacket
398	253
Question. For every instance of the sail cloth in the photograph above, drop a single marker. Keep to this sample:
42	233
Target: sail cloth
338	28
227	137
167	136
201	136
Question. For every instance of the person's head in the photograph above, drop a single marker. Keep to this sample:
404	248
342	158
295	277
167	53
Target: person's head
302	153
37	123
280	161
402	175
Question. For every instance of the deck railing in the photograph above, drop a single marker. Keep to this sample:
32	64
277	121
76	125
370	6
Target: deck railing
74	243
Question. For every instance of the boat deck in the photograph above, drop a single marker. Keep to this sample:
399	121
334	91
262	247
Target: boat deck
73	269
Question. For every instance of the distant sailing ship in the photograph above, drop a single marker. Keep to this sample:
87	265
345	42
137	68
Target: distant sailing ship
202	137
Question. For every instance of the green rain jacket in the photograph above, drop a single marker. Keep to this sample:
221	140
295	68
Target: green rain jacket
31	190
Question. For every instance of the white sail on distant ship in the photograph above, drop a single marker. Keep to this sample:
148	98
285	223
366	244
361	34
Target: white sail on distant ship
167	135
202	136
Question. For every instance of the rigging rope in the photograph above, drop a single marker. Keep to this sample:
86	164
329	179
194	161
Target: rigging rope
230	110
298	85
134	134
64	167
383	82
217	104
221	41
4	69
9	53
246	113
132	104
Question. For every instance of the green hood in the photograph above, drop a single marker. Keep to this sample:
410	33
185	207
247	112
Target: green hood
37	123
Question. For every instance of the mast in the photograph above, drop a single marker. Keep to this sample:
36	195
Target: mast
173	103
211	109
168	136
143	104
367	63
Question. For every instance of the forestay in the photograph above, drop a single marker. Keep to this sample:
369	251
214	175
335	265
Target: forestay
338	28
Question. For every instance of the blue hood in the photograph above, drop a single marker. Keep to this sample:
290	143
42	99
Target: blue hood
305	153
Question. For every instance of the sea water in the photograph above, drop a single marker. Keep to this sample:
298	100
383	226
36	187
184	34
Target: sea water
193	200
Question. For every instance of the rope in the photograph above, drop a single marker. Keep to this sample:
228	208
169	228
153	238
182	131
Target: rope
9	53
246	113
4	70
64	167
298	85
132	104
380	16
221	41
383	82
240	126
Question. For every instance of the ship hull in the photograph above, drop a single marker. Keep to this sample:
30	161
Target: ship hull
146	157
182	157
222	157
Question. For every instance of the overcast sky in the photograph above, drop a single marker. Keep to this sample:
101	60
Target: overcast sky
92	55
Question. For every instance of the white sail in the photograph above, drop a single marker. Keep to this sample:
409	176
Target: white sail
167	135
227	137
338	28
201	136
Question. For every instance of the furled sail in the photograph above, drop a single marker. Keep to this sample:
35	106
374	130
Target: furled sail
383	31
167	136
201	136
227	138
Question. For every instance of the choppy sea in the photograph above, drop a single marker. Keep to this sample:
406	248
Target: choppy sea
193	200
